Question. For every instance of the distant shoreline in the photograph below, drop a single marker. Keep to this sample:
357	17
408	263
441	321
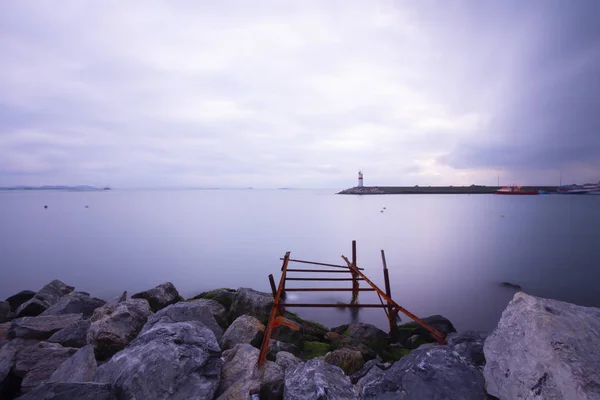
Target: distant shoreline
68	188
473	189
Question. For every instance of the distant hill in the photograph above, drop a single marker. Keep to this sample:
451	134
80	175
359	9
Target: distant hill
58	187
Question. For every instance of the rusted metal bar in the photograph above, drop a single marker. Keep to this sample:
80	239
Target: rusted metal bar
391	312
329	290
318	270
321	305
354	276
439	336
265	344
322	279
273	287
318	263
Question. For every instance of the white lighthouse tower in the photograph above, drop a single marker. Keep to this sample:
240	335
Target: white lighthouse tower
360	179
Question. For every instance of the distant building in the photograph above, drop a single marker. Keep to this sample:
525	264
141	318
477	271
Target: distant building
360	179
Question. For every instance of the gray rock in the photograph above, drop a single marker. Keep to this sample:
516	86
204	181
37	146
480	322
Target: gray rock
317	380
245	329
276	347
80	367
217	310
43	299
367	367
469	345
75	303
251	302
440	323
17	299
159	297
74	335
8	355
286	360
70	391
170	361
36	363
186	311
114	325
4	333
362	332
223	296
41	327
429	372
5	313
242	376
348	360
544	349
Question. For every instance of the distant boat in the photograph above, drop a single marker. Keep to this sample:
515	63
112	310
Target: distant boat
516	190
588	188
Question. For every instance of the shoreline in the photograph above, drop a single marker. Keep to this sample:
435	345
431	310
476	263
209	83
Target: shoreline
473	189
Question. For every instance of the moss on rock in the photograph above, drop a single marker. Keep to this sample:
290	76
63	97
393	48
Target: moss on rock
223	296
314	349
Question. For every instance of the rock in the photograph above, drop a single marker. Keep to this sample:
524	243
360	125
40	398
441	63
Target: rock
544	349
41	327
286	360
74	335
276	346
223	296
159	297
469	345
317	380
242	376
17	299
413	342
75	303
348	360
5	313
314	349
510	285
80	367
366	368
114	325
186	311
10	384
440	323
362	332
43	299
70	391
4	333
170	361
36	363
245	329
429	372
217	310
251	302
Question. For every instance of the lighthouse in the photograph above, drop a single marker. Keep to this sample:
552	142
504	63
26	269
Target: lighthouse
360	179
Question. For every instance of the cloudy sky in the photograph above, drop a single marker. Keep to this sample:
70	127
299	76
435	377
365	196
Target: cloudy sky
298	94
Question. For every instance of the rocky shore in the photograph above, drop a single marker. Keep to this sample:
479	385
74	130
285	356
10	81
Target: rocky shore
59	343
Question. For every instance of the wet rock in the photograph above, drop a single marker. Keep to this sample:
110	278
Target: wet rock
223	296
114	325
43	299
35	364
5	313
75	303
177	361
510	285
41	327
276	347
245	329
469	345
74	335
366	368
362	332
440	323
286	360
80	367
186	311
217	310
70	391
317	380
159	297
348	360
544	349
429	372
17	299
251	302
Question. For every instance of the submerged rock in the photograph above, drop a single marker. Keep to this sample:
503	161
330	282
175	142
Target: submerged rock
70	391
429	372
251	302
17	299
245	329
317	380
73	335
159	297
177	361
348	360
114	325
75	303
469	344
43	299
544	349
80	367
41	327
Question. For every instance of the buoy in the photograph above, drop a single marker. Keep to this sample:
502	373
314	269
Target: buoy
381	211
87	206
45	206
385	208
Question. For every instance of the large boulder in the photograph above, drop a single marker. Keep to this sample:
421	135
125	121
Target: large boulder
17	299
41	327
362	332
429	372
36	363
73	335
80	367
276	347
317	380
251	302
70	391
43	299
114	325
348	360
355	377
245	329
170	361
9	383
75	303
5	312
469	344
242	376
186	311
223	296
216	309
4	333
159	297
544	349
286	360
412	328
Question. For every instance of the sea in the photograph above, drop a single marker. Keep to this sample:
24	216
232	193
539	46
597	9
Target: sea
446	254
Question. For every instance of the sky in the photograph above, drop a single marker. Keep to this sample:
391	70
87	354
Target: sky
138	94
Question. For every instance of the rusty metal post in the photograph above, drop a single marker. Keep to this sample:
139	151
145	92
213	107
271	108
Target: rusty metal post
354	276
392	313
273	287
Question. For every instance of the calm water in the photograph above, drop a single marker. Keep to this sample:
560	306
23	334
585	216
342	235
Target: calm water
446	253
